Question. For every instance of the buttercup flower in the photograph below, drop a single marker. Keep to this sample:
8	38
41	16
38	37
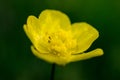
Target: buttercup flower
56	40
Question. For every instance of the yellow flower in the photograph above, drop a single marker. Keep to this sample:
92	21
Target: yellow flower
56	40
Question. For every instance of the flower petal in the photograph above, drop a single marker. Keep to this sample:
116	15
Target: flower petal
33	31
85	35
49	57
33	28
55	19
33	24
27	32
83	56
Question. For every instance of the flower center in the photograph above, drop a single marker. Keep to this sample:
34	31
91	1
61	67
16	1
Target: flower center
60	42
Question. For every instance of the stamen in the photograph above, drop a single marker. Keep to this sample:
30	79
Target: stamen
59	42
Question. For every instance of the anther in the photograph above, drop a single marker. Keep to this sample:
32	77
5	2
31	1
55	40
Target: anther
49	40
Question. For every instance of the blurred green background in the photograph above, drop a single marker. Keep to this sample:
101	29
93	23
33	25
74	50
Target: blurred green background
17	61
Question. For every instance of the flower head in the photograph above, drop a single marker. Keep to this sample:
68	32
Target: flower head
58	41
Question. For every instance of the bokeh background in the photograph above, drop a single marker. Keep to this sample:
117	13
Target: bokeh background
17	61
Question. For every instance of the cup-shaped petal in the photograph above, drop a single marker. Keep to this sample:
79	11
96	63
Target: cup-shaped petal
85	35
54	19
50	57
88	55
32	29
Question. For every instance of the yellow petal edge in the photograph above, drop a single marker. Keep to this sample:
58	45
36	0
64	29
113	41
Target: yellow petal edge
56	40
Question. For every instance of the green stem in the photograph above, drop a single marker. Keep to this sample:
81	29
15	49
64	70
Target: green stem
53	72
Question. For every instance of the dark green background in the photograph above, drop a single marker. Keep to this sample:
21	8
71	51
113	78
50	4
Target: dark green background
17	61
